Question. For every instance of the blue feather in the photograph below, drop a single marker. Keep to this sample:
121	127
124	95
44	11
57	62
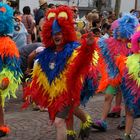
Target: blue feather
59	58
88	90
129	99
1	64
11	63
6	20
111	67
115	33
127	25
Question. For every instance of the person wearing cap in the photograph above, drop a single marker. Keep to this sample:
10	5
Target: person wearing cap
56	82
95	11
41	11
12	4
39	15
20	33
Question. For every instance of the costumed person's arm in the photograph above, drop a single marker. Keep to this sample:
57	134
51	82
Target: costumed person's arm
90	82
31	58
102	67
80	66
108	68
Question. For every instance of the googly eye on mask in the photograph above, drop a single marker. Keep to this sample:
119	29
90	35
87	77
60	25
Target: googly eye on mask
17	28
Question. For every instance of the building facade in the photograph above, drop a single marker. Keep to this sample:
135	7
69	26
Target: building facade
84	5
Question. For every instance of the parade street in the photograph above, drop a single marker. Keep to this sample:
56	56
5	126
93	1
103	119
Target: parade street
58	55
35	125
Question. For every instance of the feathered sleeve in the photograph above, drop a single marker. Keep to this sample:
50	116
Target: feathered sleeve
108	68
78	70
133	74
131	84
9	68
91	80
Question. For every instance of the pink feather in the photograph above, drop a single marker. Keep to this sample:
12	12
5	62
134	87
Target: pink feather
134	40
115	24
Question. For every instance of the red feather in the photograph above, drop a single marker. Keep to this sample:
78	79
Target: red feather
41	98
67	26
47	29
78	70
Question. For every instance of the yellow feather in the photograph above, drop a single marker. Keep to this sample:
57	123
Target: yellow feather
12	87
95	58
133	65
58	85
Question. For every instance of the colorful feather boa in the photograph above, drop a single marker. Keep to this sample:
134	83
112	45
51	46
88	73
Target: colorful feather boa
108	68
9	67
79	70
91	81
110	50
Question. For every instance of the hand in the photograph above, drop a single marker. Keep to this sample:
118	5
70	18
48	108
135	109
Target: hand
28	71
90	39
4	83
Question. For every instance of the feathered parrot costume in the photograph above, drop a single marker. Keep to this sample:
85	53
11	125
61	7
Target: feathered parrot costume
10	72
111	52
131	77
111	48
58	76
90	83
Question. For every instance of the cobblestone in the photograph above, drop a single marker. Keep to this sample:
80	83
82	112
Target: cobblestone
35	125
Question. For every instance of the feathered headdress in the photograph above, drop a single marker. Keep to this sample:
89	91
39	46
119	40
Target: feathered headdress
6	19
127	25
62	19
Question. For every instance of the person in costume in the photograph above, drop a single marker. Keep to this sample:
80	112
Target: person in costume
25	52
131	85
89	85
111	48
88	89
10	72
60	70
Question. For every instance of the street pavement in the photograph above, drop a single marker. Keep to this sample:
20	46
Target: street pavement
35	125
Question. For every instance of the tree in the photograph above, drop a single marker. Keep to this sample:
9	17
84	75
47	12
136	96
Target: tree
99	4
117	7
17	4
